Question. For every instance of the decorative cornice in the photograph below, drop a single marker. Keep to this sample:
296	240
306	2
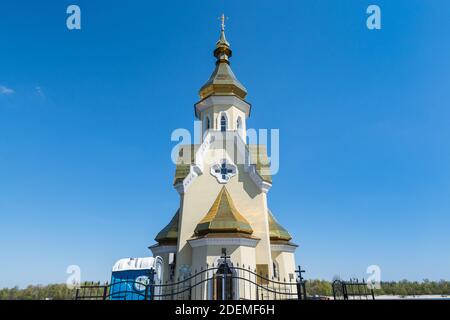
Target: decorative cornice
287	247
222	100
200	242
158	249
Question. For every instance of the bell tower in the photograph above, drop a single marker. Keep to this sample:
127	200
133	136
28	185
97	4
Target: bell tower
222	105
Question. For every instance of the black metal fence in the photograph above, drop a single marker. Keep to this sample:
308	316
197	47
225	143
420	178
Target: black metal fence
92	291
352	290
223	281
219	282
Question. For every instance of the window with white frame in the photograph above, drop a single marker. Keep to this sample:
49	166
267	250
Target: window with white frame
223	123
275	270
239	125
208	123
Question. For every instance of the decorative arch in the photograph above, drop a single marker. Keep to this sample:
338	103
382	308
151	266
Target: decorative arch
223	121
207	123
224	266
240	126
276	269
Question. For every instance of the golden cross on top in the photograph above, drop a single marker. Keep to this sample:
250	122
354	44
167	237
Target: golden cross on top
222	19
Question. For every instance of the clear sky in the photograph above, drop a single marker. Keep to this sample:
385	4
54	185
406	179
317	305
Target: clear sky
86	118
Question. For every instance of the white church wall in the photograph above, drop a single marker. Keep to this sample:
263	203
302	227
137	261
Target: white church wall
211	255
286	264
232	114
247	197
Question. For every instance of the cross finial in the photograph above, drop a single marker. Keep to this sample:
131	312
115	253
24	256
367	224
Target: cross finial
224	255
222	19
300	271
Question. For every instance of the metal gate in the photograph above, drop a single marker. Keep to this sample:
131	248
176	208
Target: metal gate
223	281
352	290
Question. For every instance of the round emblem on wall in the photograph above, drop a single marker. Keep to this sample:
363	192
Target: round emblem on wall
223	171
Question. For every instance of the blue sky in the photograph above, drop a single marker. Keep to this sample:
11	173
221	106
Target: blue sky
86	118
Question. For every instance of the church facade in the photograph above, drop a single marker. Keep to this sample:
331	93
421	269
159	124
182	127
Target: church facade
223	183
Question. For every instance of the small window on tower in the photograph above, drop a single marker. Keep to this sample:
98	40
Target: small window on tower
172	263
275	270
239	123
223	123
208	123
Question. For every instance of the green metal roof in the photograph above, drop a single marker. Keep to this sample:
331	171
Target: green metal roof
170	232
276	231
223	217
186	157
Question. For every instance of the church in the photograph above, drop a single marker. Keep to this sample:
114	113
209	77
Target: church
223	183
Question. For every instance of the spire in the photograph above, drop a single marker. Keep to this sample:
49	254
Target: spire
223	81
223	50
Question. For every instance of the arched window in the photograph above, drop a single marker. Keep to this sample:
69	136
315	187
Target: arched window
239	123
224	282
275	270
208	123
223	123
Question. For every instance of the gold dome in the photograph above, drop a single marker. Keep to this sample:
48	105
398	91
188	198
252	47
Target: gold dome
223	81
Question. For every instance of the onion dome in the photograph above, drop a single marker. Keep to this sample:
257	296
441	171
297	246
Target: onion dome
223	81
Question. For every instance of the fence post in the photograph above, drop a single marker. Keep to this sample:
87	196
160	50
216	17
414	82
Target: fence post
304	290
300	284
146	292
214	287
223	286
105	289
152	285
344	290
333	288
299	290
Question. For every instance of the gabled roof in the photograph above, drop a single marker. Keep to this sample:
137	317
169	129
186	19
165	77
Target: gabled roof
276	231
169	234
223	217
